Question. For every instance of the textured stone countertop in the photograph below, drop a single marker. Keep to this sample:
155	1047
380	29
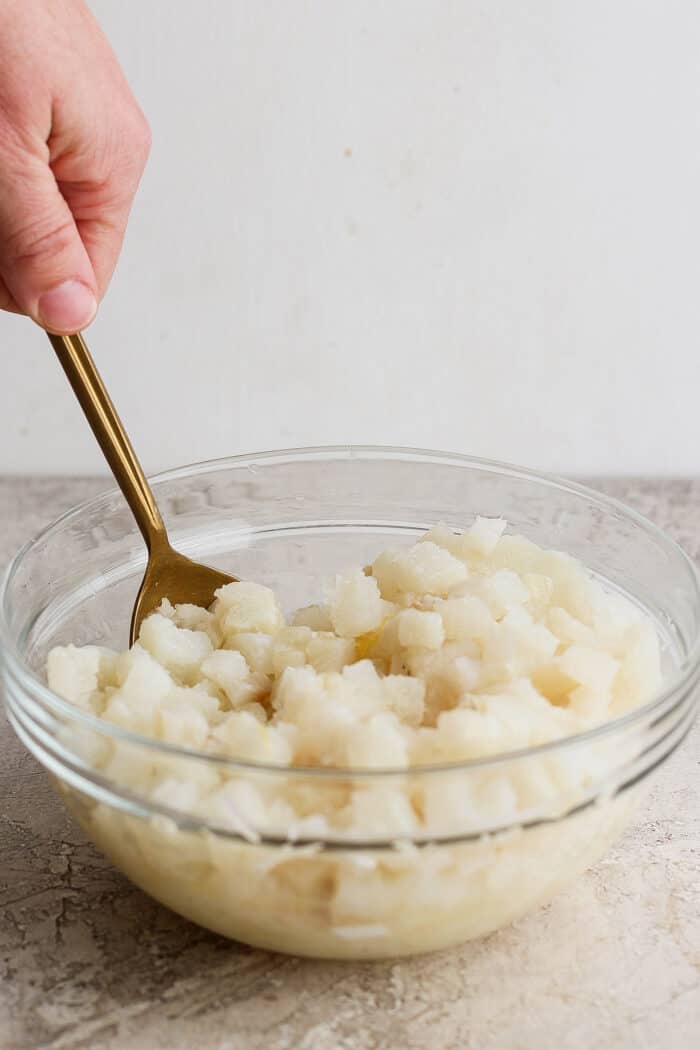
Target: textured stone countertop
87	961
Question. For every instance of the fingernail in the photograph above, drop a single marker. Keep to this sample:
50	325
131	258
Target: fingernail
67	308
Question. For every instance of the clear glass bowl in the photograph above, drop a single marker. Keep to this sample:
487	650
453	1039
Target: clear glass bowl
288	520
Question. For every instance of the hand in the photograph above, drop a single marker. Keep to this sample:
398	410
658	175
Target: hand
73	146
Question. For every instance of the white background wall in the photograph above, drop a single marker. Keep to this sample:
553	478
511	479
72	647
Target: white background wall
449	223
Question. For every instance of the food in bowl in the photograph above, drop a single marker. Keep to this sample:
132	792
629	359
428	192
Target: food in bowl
461	648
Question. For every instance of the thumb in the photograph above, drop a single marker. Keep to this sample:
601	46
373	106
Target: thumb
43	262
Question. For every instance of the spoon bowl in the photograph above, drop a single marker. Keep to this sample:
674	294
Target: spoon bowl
171	575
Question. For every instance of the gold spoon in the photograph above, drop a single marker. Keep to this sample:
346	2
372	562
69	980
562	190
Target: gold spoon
168	574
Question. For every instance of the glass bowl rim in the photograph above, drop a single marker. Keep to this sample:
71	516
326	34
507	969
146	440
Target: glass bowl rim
685	675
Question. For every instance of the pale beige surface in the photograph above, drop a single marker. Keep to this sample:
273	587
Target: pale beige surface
88	962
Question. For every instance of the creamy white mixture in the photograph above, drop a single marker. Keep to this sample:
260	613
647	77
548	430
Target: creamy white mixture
459	647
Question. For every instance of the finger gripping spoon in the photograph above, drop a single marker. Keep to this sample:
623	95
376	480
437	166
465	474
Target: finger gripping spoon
169	574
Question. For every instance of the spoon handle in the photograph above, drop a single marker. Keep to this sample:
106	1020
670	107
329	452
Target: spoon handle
112	438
